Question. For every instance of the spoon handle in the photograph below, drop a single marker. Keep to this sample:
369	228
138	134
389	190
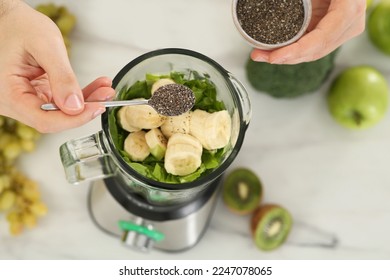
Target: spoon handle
53	107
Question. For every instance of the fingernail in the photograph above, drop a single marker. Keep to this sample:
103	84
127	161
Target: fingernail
260	58
109	97
73	102
279	60
98	112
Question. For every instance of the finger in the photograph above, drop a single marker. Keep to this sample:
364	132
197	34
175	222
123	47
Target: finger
100	89
303	50
42	88
101	94
96	84
53	58
260	55
307	54
313	46
29	112
32	72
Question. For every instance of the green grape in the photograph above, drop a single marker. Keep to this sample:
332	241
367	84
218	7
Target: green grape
22	203
7	199
27	145
15	228
17	177
2	121
62	11
5	182
30	190
4	166
10	123
50	10
18	194
66	23
29	219
14	216
25	132
5	139
12	150
38	208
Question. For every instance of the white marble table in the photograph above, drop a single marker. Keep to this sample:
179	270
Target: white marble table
335	182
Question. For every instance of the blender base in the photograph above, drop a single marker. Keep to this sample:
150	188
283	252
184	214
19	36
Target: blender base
180	234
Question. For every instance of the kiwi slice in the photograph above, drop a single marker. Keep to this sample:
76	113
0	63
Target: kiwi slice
270	226
242	191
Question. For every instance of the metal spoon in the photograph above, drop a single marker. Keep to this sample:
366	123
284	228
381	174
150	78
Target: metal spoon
167	100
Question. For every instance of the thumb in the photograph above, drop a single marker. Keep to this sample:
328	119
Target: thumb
53	58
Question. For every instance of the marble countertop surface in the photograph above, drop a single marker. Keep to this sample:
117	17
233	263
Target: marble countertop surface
335	182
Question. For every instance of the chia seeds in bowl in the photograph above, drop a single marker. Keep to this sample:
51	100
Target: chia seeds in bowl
271	24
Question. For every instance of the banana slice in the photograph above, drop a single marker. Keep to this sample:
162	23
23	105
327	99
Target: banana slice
135	145
213	130
198	119
180	138
121	115
144	117
176	124
160	83
183	155
218	130
157	143
180	161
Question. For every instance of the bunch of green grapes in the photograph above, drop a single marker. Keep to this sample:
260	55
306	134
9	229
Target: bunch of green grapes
61	16
19	196
15	138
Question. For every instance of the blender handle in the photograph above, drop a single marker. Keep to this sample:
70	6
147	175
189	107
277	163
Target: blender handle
86	159
244	98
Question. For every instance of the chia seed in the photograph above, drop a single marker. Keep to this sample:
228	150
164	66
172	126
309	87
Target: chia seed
172	100
271	21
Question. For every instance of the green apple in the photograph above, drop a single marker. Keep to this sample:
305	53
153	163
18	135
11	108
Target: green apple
378	26
358	97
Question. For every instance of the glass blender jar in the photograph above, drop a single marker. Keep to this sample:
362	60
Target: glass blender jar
143	211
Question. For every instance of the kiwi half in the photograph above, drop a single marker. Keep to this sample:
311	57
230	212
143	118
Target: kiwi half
270	226
242	191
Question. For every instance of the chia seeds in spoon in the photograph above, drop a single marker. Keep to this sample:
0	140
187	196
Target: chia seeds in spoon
271	21
172	100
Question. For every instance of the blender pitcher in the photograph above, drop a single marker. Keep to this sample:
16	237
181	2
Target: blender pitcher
95	157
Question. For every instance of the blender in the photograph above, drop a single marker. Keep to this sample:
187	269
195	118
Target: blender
142	212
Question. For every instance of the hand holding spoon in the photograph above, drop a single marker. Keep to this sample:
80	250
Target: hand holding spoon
167	100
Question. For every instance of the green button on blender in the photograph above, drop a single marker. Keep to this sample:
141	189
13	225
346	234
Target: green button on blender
152	234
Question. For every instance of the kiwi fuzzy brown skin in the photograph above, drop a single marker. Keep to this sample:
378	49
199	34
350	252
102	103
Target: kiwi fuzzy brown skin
247	179
263	212
258	214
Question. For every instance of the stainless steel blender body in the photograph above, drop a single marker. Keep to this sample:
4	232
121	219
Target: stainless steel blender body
182	226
